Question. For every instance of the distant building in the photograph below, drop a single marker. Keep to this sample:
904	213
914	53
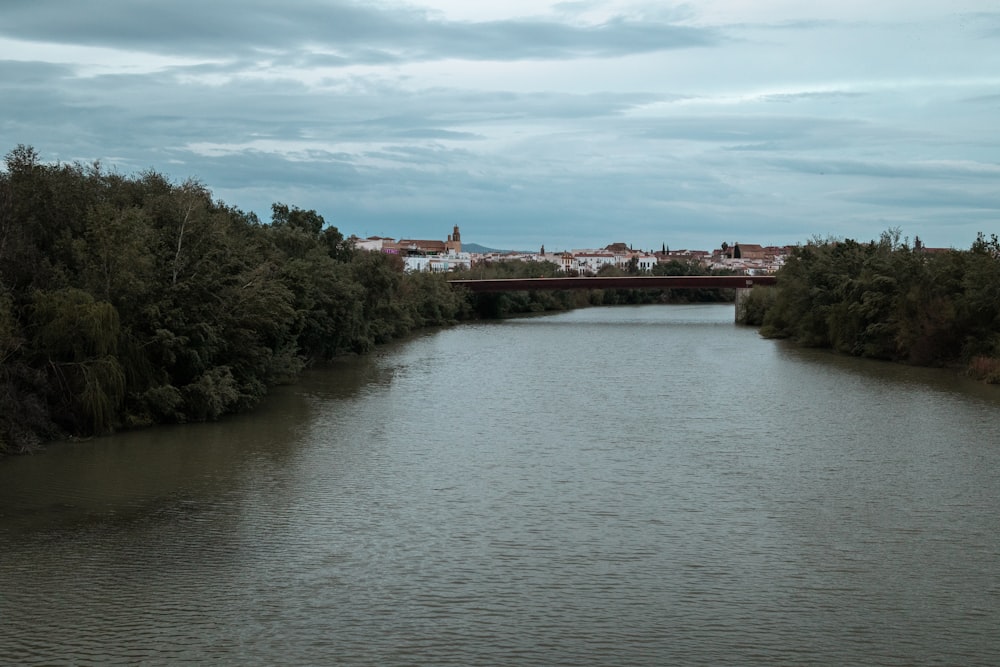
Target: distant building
435	255
421	247
592	262
450	261
372	243
645	262
421	254
748	251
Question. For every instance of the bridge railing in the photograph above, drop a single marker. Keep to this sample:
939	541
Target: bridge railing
615	282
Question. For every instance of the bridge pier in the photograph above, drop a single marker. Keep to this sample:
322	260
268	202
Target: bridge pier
742	294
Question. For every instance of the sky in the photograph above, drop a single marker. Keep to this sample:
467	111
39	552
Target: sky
526	123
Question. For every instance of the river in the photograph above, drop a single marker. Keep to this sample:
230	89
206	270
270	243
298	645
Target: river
610	486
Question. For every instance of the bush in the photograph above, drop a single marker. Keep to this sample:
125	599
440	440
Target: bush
985	369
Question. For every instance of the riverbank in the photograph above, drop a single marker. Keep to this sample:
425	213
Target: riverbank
891	301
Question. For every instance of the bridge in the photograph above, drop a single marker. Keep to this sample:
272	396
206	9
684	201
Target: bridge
740	283
615	282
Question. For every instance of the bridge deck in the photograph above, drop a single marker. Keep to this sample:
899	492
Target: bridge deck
617	282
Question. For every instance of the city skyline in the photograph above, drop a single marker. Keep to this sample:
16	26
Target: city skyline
568	124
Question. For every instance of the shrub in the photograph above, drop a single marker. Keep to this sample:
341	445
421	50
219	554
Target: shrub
986	369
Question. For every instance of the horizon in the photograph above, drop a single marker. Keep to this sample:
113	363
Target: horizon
632	247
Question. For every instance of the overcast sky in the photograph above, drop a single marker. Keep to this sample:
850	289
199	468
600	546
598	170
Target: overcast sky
525	122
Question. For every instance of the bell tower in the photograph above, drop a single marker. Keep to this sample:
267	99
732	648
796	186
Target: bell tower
455	240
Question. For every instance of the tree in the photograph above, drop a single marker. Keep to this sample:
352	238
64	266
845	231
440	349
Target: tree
115	253
23	159
88	382
308	221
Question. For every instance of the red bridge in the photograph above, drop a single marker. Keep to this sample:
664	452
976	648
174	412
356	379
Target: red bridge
617	282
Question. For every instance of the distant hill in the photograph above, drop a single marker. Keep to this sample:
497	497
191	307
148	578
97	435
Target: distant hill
475	247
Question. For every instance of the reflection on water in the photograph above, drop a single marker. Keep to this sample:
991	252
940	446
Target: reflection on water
609	486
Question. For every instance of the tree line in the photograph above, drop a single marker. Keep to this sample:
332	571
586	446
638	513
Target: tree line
890	299
131	300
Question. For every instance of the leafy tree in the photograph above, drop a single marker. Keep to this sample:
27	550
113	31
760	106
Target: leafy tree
886	300
308	222
83	364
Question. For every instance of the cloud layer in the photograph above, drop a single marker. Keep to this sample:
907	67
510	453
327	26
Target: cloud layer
569	125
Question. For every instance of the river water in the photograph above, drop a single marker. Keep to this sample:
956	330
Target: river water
610	486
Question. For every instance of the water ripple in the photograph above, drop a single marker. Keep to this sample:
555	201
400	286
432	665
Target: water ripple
532	493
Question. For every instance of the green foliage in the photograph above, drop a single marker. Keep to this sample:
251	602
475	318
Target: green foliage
9	341
162	403
101	389
71	326
214	393
309	223
431	301
24	419
756	304
887	300
128	301
113	254
76	338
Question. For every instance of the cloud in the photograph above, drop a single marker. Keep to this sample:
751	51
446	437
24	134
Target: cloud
434	133
984	99
334	33
812	96
956	199
761	132
17	73
952	170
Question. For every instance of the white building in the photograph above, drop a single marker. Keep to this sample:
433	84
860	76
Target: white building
445	262
372	243
646	262
592	262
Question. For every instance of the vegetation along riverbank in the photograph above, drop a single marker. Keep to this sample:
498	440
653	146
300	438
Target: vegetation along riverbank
128	301
890	299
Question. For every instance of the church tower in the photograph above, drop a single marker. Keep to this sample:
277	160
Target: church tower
455	241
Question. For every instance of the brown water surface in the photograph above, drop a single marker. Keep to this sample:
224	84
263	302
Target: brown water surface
612	486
